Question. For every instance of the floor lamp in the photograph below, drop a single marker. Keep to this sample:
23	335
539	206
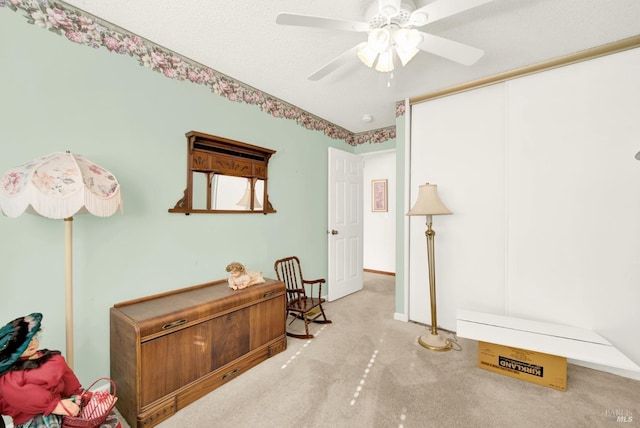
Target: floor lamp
59	186
429	204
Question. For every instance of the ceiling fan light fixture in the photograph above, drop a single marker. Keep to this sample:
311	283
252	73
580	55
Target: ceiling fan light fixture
385	61
407	39
379	39
406	55
367	55
406	42
378	42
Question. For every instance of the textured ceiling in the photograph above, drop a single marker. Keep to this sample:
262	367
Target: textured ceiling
240	38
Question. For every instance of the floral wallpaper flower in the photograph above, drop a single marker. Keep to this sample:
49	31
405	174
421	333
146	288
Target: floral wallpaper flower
82	28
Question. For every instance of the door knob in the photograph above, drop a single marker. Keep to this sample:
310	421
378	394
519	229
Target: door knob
334	232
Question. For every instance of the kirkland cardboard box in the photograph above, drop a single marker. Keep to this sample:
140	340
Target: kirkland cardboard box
535	367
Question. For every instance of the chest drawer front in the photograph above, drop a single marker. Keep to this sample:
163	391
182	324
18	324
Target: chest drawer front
177	359
268	321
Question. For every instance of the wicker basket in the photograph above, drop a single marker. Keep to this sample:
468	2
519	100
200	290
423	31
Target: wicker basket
95	407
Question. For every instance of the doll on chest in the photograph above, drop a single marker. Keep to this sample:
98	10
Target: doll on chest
240	277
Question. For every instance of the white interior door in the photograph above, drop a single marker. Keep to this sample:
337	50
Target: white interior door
345	223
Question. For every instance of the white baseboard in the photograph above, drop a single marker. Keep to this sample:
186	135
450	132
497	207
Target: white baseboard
400	317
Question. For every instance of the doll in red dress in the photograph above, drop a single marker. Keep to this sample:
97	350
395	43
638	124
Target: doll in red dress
37	387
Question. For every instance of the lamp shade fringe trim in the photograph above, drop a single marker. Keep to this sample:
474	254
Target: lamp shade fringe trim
81	202
58	186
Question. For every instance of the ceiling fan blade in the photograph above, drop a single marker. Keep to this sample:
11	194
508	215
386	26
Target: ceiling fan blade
320	22
337	62
458	52
440	9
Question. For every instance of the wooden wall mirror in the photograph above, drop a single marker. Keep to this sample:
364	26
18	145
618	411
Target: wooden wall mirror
224	176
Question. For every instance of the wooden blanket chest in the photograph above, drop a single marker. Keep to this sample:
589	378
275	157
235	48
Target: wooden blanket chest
169	349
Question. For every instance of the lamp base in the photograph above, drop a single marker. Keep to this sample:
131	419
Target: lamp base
434	342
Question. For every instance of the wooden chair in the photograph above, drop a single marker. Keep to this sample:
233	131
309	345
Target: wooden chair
301	305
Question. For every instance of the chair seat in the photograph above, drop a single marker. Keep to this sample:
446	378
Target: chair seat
304	304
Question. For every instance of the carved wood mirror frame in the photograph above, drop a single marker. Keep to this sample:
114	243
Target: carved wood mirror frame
216	157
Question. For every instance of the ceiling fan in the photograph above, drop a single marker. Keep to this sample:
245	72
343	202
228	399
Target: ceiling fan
391	27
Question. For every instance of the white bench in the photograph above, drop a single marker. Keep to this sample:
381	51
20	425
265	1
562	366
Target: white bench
554	339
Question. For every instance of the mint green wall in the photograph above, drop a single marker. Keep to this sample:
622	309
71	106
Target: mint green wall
55	96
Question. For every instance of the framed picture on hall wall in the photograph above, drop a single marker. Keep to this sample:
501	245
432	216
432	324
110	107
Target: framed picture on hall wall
378	195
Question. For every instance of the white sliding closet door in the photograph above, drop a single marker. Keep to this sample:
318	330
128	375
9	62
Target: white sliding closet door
457	142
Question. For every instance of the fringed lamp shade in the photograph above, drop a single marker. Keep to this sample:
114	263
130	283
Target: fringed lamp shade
59	186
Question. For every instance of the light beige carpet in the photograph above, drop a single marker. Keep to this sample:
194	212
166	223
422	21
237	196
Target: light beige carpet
368	370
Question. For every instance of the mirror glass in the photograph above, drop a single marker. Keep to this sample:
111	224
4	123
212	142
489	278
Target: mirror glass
228	193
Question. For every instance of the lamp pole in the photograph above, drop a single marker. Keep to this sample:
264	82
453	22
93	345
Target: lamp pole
431	234
433	340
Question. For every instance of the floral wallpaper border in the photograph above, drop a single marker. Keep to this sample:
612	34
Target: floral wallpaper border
85	29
